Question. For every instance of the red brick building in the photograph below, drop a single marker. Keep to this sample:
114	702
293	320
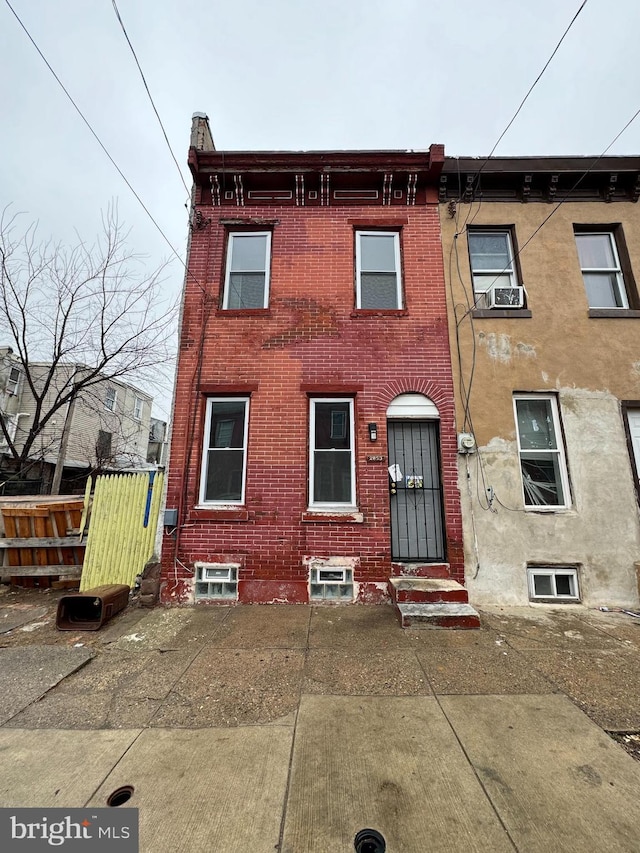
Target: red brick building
313	452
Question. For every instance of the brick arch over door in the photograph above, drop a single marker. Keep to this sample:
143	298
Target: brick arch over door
442	397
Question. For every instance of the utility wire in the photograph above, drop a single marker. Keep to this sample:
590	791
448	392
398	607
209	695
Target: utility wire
164	132
565	198
536	81
101	144
522	103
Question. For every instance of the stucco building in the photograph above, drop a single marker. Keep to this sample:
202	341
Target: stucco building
542	259
313	451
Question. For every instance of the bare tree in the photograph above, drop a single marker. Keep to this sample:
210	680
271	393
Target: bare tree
92	307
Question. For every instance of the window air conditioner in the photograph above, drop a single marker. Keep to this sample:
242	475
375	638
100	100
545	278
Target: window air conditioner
505	297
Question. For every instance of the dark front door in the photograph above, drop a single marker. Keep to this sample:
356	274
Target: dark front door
416	491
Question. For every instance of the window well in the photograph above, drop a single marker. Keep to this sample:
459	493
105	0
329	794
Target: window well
216	582
331	583
553	582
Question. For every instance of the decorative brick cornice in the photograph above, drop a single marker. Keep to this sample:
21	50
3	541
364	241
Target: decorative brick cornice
317	178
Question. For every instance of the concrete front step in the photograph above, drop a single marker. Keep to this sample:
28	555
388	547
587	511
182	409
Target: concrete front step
421	590
445	614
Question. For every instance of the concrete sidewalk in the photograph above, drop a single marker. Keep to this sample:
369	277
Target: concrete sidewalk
292	727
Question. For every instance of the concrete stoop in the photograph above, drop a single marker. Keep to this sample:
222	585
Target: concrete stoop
432	603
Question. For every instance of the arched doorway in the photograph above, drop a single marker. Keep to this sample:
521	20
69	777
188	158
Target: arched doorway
417	517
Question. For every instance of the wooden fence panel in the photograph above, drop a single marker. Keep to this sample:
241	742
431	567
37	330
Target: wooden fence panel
124	519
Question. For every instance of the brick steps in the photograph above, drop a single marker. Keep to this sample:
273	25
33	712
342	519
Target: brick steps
418	590
421	570
445	614
432	603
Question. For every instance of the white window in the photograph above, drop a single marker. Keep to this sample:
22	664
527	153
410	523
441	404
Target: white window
247	274
13	382
137	408
559	582
332	460
378	280
601	269
491	255
224	455
110	399
544	472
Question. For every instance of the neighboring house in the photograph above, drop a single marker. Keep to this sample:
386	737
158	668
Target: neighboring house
108	428
313	448
542	257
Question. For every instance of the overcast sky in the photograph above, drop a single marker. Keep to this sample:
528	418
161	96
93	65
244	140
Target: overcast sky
292	74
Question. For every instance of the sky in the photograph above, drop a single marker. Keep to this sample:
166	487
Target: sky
290	75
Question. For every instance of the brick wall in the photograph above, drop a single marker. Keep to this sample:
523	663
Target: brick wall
309	337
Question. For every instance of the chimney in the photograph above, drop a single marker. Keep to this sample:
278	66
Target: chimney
201	133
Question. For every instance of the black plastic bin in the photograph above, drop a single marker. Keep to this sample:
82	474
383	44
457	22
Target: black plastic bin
89	610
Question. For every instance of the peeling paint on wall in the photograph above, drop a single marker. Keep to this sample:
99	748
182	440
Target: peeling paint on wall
525	350
499	347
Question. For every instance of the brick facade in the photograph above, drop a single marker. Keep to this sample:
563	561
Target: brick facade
310	341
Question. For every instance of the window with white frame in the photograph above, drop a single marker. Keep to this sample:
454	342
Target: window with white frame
378	278
601	270
543	466
137	408
13	381
332	460
110	399
224	455
246	283
558	582
492	264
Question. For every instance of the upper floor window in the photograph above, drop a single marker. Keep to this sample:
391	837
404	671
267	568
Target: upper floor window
495	281
601	269
332	463
378	278
110	399
542	463
137	408
13	381
224	455
246	283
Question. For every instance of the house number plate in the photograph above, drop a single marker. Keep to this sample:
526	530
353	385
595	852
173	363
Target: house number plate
375	458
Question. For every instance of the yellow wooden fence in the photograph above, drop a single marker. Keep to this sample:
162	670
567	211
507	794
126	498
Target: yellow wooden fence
122	530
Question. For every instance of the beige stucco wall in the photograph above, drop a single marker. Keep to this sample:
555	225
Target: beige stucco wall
592	364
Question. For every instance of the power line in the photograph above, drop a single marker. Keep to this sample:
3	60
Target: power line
101	144
524	100
565	198
536	81
166	138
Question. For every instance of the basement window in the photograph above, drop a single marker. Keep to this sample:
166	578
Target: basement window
216	582
557	583
331	583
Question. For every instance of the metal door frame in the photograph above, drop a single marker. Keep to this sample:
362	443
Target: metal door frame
435	461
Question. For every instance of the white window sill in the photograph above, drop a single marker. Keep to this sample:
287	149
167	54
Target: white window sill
547	509
339	513
222	507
